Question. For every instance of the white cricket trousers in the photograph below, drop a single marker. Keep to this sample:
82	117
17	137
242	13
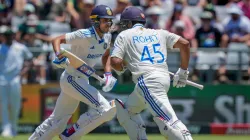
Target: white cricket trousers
10	99
74	90
151	92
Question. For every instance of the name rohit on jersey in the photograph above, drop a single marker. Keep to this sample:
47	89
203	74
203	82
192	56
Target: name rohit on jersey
144	39
94	56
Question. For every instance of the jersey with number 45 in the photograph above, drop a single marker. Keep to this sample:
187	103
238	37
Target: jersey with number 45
145	50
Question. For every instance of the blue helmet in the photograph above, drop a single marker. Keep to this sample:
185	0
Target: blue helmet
133	14
101	11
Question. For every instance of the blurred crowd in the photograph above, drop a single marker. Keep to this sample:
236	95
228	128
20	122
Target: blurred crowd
205	23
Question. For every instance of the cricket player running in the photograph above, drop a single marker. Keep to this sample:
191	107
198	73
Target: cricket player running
145	52
89	45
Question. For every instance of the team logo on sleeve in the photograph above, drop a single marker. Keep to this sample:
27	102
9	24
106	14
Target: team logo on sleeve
109	12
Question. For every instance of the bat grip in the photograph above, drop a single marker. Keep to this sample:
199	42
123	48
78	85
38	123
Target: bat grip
191	83
98	78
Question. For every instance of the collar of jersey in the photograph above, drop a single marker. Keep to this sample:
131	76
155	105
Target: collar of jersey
97	36
137	25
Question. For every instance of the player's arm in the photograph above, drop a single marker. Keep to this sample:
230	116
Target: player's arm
106	56
181	76
56	42
117	55
69	38
175	41
108	77
116	63
60	61
106	61
183	45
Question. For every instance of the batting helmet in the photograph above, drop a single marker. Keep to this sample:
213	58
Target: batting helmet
133	14
130	16
101	11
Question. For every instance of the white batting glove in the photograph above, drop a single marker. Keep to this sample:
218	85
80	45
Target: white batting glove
110	82
61	63
180	78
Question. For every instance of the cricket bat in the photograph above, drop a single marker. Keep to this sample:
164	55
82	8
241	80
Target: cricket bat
191	83
80	65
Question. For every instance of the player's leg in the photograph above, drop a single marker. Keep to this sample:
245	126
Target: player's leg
128	115
100	112
175	131
57	121
153	90
15	104
6	126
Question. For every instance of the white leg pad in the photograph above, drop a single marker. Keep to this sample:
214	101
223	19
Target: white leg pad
50	128
89	121
176	131
133	124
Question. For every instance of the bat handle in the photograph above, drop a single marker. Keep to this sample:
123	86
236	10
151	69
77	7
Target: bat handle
98	78
199	86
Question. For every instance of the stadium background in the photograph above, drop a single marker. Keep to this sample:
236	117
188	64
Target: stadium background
218	62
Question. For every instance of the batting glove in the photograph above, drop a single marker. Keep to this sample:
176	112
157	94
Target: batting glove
61	63
180	78
110	82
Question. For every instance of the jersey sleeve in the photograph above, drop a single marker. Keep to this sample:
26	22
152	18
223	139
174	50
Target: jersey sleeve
76	36
119	47
170	38
27	54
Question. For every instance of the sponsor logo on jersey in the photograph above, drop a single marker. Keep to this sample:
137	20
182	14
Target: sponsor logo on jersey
94	56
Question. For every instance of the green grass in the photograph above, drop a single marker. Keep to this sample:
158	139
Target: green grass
150	137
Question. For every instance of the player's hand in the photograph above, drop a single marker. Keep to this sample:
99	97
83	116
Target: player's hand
61	63
180	78
123	70
110	82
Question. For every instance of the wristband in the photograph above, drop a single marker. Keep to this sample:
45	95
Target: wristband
108	73
57	53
